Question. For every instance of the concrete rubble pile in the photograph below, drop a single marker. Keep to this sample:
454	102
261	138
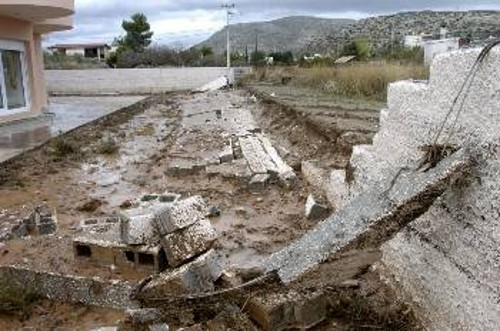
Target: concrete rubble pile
370	219
42	220
172	240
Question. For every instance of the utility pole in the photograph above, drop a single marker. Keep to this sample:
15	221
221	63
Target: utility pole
227	8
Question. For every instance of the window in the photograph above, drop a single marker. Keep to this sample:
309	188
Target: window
14	96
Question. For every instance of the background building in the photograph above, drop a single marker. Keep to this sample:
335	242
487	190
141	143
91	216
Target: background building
98	51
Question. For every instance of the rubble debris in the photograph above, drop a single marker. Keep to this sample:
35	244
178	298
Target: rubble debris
92	291
169	197
194	277
315	210
185	244
227	155
149	238
214	85
370	219
336	188
41	221
280	311
143	318
213	211
259	182
174	217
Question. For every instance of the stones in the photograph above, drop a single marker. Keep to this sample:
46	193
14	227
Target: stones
183	245
259	182
351	283
197	276
336	188
370	219
280	311
315	210
227	155
140	318
213	211
180	215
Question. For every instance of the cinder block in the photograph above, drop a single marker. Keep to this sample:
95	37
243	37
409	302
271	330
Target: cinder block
197	276
289	310
180	215
185	244
310	310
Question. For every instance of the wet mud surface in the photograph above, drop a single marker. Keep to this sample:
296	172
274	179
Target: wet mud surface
173	143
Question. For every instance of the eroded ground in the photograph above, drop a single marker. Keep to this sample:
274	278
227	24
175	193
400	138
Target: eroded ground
173	143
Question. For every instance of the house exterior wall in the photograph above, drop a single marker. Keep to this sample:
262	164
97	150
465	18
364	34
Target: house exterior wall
447	262
22	22
76	51
16	30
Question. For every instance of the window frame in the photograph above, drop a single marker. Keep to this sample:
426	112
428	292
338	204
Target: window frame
11	45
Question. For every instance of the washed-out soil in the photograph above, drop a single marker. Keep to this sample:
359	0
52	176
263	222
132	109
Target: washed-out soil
72	176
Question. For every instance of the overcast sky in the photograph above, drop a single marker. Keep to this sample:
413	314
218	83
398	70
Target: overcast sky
187	22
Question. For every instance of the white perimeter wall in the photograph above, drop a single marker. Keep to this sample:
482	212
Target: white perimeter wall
448	260
129	81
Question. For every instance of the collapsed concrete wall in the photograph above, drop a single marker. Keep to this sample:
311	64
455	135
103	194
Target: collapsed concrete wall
75	289
448	260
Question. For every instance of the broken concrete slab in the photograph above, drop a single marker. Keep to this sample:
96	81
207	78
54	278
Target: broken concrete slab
256	156
180	215
336	188
214	85
185	244
370	219
315	210
259	182
313	173
92	291
195	277
289	310
286	175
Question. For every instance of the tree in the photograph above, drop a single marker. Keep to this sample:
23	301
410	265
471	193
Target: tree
206	51
360	48
138	33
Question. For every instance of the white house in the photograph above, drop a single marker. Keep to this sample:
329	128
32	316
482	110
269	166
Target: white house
94	50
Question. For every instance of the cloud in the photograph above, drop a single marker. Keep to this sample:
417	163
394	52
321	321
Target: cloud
191	21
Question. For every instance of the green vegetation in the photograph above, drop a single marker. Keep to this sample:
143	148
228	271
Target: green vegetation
360	48
15	299
368	80
138	34
67	62
137	38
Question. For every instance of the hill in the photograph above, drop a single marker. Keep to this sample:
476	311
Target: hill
285	34
381	30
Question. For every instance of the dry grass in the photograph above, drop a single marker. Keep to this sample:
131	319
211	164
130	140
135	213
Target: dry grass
360	80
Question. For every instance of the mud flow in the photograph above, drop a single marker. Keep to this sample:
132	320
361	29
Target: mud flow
214	145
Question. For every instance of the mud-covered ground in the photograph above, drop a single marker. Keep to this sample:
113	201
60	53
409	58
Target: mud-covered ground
102	167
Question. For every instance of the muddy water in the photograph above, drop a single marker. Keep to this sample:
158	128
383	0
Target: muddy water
114	179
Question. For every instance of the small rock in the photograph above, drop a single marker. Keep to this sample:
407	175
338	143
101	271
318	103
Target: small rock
213	211
315	210
126	204
351	283
90	206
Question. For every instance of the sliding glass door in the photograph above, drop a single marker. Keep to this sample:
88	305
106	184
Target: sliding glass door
14	96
